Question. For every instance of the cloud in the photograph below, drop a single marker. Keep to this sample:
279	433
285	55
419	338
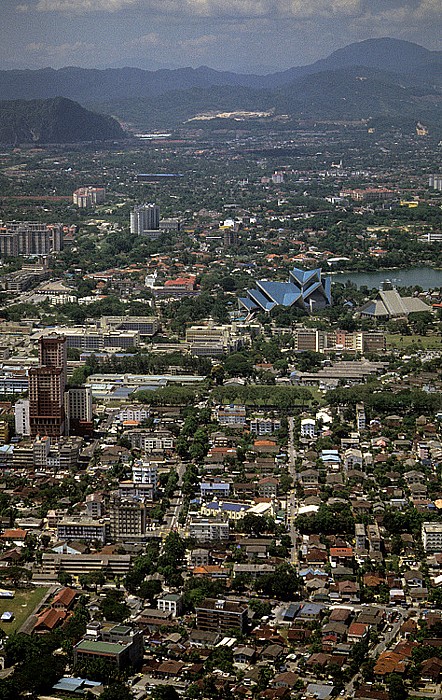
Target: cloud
209	8
150	39
418	10
57	50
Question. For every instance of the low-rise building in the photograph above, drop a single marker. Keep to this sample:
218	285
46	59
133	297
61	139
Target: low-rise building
221	615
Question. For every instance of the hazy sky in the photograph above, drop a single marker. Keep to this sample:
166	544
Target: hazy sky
223	34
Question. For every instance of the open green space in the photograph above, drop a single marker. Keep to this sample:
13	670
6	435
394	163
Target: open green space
21	605
426	342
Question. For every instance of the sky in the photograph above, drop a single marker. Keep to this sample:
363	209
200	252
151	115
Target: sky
239	35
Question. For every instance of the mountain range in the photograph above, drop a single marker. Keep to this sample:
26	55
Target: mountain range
386	79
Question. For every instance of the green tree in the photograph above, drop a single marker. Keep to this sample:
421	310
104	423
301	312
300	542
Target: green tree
396	687
117	691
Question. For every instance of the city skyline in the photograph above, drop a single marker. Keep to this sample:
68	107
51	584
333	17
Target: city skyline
222	34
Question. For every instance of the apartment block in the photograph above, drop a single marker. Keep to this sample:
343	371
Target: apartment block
205	530
360	536
361	422
264	426
221	616
86	197
232	415
432	537
172	603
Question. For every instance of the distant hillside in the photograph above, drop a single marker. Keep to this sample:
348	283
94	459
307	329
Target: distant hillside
391	55
344	94
91	85
57	120
386	79
357	93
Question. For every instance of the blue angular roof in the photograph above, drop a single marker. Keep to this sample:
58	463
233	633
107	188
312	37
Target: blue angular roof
247	303
282	293
327	288
313	287
303	276
261	300
302	284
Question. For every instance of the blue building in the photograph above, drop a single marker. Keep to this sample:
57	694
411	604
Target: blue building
306	289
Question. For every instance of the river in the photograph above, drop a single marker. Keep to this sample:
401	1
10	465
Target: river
425	277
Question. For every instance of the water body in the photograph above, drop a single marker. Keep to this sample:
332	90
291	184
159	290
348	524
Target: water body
425	277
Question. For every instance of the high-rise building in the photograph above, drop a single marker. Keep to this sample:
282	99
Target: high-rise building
88	196
144	218
435	181
78	410
230	237
22	422
30	238
127	519
47	384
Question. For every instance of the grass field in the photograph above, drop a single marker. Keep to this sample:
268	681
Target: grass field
22	606
426	342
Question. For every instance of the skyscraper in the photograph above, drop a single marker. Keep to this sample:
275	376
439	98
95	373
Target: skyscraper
144	218
47	384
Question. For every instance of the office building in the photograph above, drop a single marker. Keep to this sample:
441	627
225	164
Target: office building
89	338
47	384
145	325
4	432
432	537
77	564
369	194
82	530
22	420
230	236
121	645
145	218
127	519
78	410
221	616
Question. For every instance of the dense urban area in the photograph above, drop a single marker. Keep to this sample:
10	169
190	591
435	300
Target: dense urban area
221	414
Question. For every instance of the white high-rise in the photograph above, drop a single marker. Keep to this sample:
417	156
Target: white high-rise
22	421
144	217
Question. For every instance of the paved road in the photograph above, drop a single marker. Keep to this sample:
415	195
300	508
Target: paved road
291	496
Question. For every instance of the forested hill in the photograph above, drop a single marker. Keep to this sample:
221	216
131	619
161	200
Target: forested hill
57	120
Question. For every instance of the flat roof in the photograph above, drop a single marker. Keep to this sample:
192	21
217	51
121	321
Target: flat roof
100	647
